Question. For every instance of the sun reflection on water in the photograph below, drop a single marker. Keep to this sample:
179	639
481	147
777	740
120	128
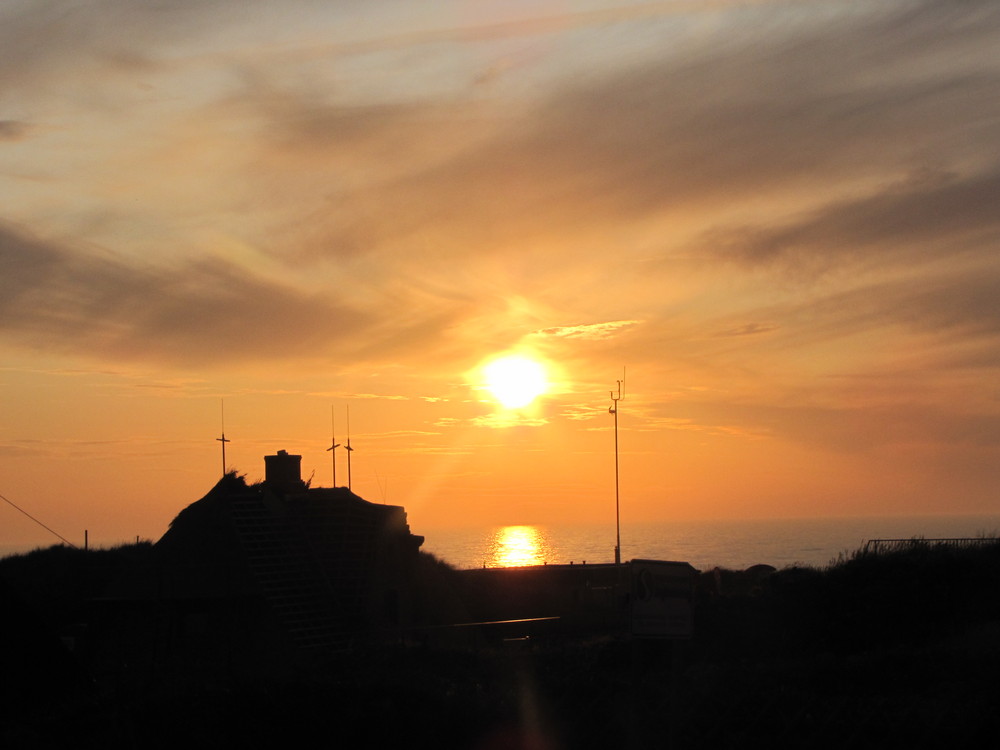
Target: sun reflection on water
514	546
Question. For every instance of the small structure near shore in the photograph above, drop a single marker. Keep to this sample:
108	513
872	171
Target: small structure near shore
639	598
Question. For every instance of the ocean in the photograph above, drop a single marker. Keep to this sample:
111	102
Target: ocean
704	544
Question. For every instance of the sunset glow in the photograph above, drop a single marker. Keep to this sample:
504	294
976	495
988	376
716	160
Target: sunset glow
515	381
462	224
516	546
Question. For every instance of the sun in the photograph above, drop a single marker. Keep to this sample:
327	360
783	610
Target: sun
515	380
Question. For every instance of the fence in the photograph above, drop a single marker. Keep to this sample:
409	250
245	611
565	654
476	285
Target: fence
877	546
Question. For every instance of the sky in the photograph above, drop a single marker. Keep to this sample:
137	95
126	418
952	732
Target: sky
777	221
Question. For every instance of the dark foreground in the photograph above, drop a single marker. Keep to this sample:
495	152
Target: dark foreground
900	649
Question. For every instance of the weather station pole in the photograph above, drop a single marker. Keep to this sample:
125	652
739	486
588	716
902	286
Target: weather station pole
615	398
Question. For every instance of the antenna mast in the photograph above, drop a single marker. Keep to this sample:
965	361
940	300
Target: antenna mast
223	438
334	445
348	447
615	398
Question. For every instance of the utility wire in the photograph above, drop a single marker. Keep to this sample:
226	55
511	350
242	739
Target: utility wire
13	505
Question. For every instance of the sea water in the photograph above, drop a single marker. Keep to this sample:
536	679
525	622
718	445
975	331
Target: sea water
704	544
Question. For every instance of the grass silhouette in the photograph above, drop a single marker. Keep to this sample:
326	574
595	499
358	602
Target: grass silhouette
896	648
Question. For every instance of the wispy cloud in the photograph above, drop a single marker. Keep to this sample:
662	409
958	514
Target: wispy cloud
13	130
582	412
748	329
502	421
896	223
589	330
54	298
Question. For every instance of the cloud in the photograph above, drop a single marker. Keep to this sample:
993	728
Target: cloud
582	412
26	449
203	313
847	429
493	420
374	396
957	307
14	130
748	329
818	117
914	218
503	421
589	330
613	192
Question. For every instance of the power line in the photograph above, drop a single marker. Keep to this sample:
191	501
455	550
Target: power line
16	507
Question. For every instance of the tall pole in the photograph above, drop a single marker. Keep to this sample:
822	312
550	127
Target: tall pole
333	445
615	398
223	438
348	447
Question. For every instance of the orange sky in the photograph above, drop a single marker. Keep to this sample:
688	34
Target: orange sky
781	217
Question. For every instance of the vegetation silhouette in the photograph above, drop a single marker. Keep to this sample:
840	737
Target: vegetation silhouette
900	648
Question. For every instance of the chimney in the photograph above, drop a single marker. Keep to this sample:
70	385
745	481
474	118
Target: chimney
283	472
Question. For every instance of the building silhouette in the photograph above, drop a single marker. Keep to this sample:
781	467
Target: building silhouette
271	573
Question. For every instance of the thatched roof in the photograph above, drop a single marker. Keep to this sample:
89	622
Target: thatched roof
201	555
258	541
